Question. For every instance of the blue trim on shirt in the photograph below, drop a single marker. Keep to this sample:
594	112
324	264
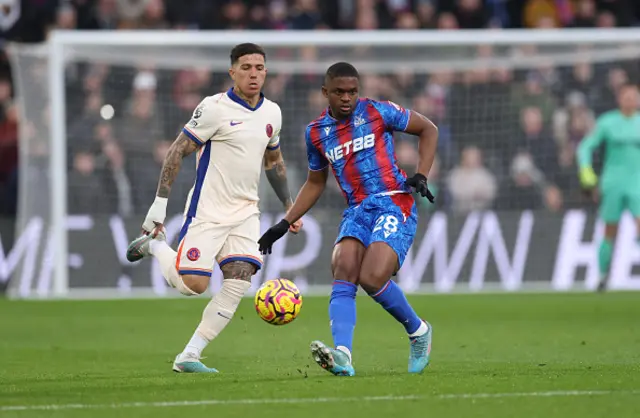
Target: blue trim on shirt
195	272
233	96
192	136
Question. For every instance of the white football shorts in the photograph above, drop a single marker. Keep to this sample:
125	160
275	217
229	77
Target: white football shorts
203	243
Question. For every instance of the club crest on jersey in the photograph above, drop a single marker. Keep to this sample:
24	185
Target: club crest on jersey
350	147
327	130
198	112
358	121
269	130
193	254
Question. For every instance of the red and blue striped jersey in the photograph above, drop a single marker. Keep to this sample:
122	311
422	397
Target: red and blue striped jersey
359	149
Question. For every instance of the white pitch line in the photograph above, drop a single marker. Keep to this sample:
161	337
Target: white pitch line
265	401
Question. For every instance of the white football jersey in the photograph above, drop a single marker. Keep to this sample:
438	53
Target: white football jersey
234	138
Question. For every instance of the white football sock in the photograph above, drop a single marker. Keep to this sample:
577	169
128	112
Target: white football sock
217	314
345	350
196	345
422	329
166	256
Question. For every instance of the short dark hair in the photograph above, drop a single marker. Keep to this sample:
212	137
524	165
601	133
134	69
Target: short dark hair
341	69
241	50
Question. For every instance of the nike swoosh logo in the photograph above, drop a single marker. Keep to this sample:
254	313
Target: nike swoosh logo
232	123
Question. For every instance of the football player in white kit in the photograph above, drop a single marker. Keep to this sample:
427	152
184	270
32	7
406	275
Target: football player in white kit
232	132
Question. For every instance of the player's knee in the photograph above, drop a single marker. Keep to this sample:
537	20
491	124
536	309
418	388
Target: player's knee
238	270
372	280
192	285
346	271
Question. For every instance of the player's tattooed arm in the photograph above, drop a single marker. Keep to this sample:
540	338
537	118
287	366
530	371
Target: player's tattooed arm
276	172
180	148
427	132
238	270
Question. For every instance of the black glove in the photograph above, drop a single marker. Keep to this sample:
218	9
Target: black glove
419	182
272	235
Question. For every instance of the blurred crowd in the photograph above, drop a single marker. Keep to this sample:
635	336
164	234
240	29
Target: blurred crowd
508	137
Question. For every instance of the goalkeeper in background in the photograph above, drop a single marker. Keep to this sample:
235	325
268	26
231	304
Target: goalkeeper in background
619	187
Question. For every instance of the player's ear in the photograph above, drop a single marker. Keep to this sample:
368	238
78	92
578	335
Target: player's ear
325	92
232	73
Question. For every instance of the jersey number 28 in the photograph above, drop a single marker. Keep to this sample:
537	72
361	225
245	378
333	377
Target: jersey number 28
390	226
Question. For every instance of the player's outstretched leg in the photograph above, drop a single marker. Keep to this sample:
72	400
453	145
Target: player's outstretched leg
216	316
380	260
345	263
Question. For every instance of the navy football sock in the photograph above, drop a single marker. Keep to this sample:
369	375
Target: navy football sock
393	301
342	313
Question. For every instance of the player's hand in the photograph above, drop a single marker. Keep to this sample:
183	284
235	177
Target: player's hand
154	220
272	235
296	226
419	182
588	178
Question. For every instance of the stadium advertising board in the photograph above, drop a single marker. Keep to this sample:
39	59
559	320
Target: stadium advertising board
481	251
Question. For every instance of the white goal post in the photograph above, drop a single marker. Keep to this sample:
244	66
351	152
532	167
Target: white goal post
377	52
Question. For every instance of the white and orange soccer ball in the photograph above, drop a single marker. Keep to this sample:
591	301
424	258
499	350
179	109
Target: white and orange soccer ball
278	301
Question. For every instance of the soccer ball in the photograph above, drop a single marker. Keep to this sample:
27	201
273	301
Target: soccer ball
278	301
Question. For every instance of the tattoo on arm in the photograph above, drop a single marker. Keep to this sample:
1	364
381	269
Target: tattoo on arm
238	270
276	173
180	148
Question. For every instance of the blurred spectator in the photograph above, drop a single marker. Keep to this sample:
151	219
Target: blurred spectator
153	16
116	177
107	16
533	94
553	199
305	15
426	13
448	21
582	79
66	17
522	191
571	123
131	10
537	140
538	10
86	194
471	14
585	15
141	124
606	20
471	185
616	77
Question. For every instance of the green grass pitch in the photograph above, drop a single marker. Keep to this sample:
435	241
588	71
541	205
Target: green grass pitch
511	355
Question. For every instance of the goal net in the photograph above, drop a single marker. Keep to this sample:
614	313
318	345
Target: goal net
99	110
